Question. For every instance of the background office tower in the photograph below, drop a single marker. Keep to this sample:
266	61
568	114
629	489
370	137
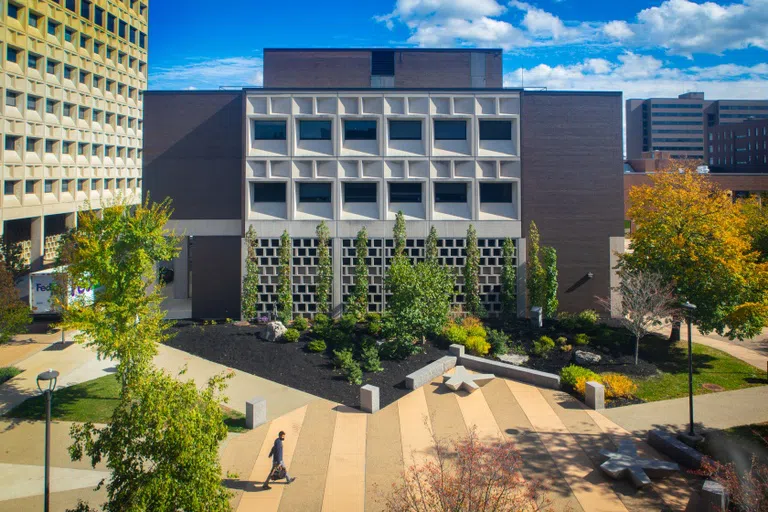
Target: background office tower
350	137
73	72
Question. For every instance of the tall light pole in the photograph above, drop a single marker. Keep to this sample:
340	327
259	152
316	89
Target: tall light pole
689	310
46	383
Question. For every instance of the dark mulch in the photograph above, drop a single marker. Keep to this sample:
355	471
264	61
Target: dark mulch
291	364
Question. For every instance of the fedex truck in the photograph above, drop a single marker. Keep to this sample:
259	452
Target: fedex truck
40	297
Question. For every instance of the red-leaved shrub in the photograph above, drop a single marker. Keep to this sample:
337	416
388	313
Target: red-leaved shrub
748	491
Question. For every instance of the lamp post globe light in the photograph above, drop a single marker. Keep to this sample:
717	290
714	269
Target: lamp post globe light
690	437
46	383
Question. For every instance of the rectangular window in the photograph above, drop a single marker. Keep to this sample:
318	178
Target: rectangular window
314	192
109	52
450	130
95	150
32	61
10	98
360	192
50	106
66	148
132	35
84	41
13	10
264	192
495	130
9	188
142	39
450	192
67	111
29	187
68	70
95	115
85	9
10	142
52	27
31	144
495	192
81	149
404	130
83	77
70	4
12	55
80	185
314	130
121	31
405	192
65	185
32	102
98	16
383	63
96	81
50	66
95	184
269	130
359	130
69	34
111	22
97	47
48	186
34	19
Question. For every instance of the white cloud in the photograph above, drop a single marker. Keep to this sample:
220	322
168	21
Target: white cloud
684	27
209	74
541	23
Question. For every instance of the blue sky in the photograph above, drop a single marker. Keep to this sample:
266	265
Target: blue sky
642	48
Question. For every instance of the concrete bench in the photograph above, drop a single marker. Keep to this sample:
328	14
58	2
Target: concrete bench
510	371
595	395
369	398
255	412
430	372
675	449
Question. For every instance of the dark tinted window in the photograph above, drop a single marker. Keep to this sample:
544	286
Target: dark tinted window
269	192
315	130
269	130
70	4
360	130
360	192
383	62
85	9
450	130
314	192
8	187
450	192
404	130
111	22
495	192
495	130
121	31
98	16
405	192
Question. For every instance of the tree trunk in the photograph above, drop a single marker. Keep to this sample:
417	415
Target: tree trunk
637	348
674	336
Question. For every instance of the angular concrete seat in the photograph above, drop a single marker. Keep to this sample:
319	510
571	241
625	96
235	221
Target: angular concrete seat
469	382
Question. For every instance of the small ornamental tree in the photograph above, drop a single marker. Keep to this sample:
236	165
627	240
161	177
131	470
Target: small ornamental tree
431	246
14	314
509	280
469	476
324	269
11	255
358	301
535	276
472	275
284	292
400	234
549	259
251	279
647	300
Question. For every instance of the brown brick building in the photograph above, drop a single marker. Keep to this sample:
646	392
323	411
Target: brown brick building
740	147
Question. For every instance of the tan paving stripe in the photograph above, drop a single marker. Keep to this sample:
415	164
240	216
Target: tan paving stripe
310	460
676	490
255	499
587	484
384	457
444	412
345	483
238	457
59	500
592	439
415	428
477	415
537	462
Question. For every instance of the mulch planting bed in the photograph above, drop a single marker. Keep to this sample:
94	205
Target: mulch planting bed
291	364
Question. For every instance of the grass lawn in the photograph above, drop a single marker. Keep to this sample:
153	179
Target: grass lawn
8	372
94	401
710	366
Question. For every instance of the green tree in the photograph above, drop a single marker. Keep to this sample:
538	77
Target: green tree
472	275
161	447
535	277
756	212
549	258
509	280
117	252
250	298
431	245
358	301
14	314
11	255
324	270
399	234
284	291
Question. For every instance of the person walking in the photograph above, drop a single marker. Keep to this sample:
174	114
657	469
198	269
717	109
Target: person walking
277	461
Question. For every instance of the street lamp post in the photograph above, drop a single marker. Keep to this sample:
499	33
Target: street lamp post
690	309
46	383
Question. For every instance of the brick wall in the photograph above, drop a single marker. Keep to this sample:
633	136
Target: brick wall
572	177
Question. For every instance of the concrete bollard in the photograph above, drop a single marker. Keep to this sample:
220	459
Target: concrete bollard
456	350
595	395
537	317
255	412
369	398
714	498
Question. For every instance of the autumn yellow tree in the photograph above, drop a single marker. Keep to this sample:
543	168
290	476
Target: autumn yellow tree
693	234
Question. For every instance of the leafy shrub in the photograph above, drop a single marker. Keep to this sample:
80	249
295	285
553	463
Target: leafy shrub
316	346
499	342
471	321
455	334
397	350
8	372
343	359
373	317
374	324
291	336
301	324
477	345
562	340
581	384
581	339
321	325
477	330
588	319
369	358
567	320
542	346
348	322
618	385
566	348
571	374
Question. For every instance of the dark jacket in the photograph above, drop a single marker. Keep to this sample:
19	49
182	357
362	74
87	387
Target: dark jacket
277	451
